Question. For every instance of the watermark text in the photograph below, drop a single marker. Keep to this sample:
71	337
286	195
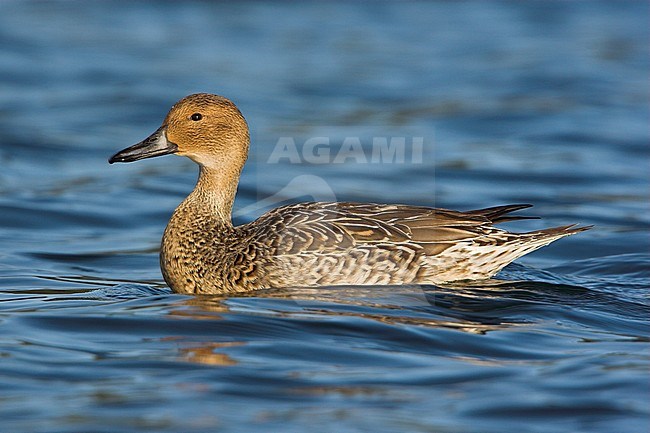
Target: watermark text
375	150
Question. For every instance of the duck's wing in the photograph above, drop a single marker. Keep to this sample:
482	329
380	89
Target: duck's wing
323	227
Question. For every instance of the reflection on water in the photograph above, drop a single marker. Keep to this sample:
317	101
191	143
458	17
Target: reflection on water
476	309
209	354
528	102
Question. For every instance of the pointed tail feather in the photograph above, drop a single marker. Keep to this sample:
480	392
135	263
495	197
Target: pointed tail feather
487	260
557	232
528	242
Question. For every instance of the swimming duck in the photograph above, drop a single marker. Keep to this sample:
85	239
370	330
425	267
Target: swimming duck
310	244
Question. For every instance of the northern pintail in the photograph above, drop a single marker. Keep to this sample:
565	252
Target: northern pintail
310	244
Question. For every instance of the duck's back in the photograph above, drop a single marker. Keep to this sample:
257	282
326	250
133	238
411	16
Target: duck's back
313	244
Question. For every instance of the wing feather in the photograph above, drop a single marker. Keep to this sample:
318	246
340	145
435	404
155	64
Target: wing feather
327	227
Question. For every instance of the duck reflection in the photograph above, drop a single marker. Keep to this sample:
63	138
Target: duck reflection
476	309
209	354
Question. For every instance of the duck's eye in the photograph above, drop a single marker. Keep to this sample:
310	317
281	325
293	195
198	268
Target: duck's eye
196	117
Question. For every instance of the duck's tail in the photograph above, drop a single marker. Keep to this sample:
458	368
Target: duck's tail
483	260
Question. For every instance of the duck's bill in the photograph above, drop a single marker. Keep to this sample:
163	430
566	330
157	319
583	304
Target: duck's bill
154	145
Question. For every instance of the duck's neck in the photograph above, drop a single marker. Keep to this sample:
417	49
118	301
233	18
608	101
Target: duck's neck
214	194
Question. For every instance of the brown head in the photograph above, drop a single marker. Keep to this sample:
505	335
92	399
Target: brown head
208	129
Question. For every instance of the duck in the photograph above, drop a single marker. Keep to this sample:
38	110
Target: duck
310	244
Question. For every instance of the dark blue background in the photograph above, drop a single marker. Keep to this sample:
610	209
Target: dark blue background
535	102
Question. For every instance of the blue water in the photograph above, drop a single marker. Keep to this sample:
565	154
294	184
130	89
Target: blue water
534	102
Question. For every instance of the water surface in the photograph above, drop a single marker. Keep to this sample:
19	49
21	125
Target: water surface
533	102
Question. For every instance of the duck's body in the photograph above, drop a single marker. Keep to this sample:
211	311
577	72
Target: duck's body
310	244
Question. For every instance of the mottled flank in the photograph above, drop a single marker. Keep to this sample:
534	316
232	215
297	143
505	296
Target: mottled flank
310	244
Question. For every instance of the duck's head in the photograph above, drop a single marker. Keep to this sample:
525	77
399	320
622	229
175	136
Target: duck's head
208	129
